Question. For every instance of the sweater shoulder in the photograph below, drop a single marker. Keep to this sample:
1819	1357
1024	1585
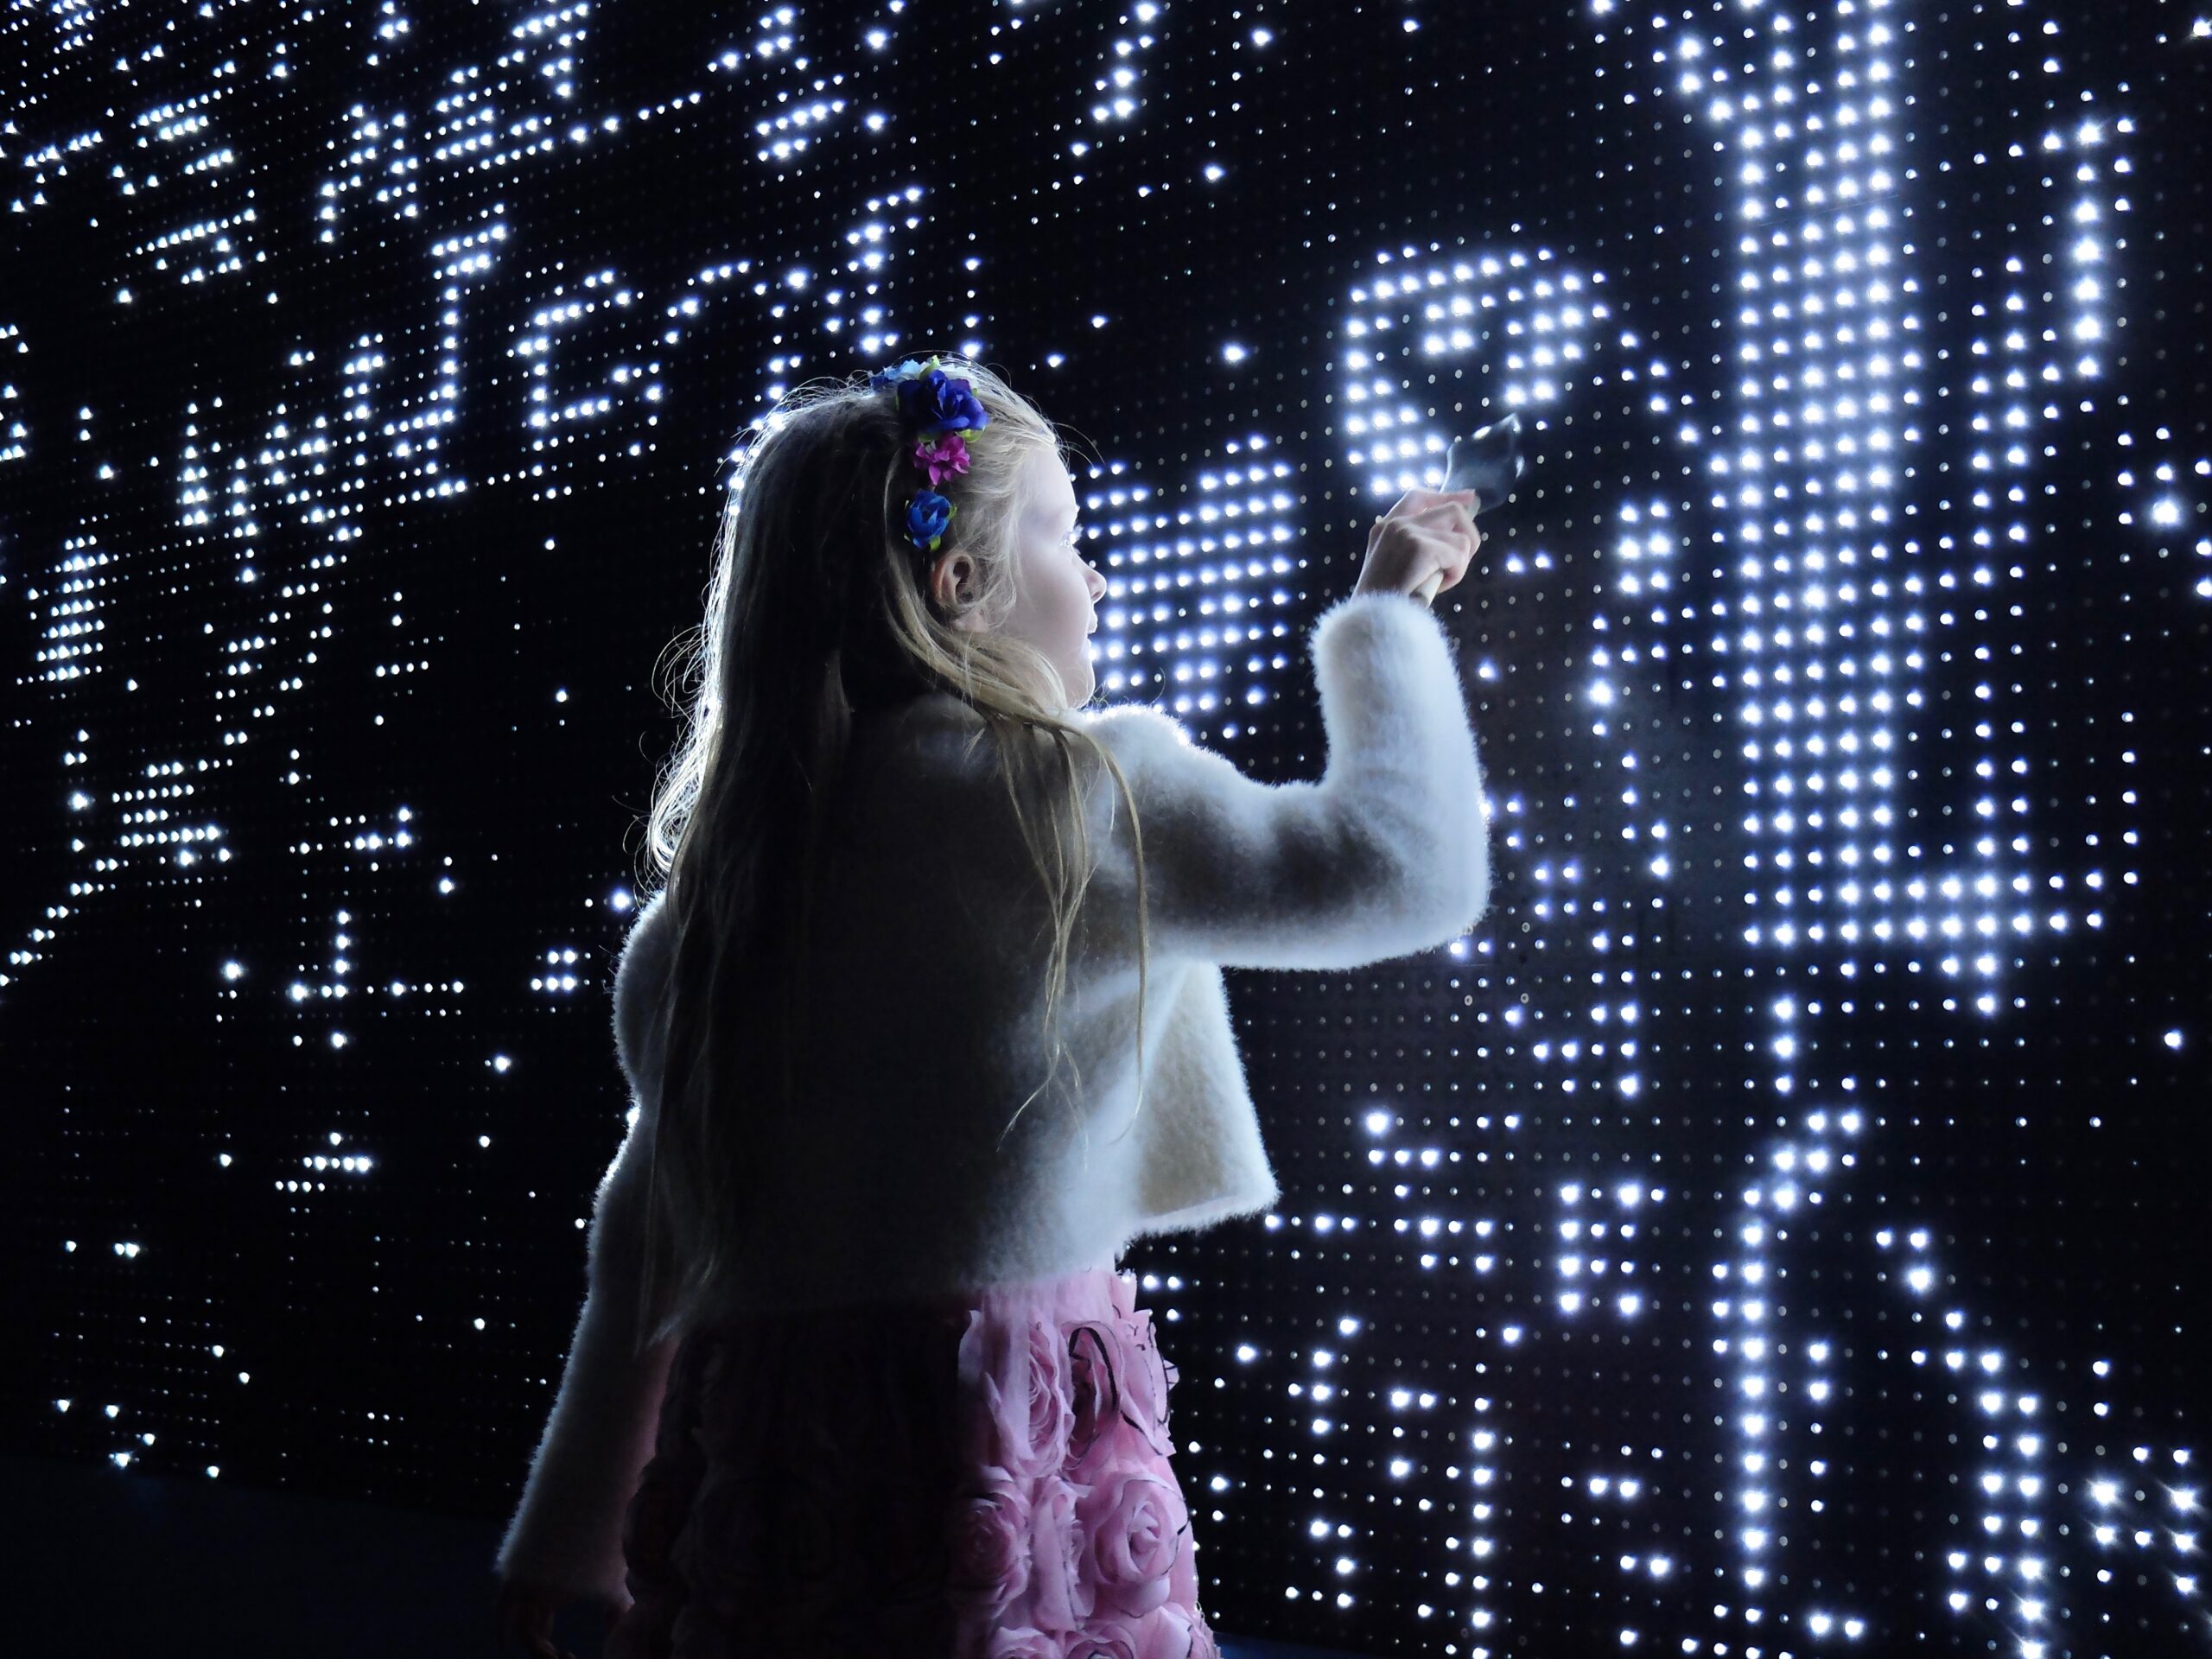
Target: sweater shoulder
1136	729
944	742
640	980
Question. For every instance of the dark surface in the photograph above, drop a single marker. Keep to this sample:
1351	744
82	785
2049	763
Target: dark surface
109	1562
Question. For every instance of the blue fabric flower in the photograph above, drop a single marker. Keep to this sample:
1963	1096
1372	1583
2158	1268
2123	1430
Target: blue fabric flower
906	371
931	400
927	515
937	403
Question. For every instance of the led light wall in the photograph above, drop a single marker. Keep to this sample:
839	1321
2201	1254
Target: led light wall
1774	1230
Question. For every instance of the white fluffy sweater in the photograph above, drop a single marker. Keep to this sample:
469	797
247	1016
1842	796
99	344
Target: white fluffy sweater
926	999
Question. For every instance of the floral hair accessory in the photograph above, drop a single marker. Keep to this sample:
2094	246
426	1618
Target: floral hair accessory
937	410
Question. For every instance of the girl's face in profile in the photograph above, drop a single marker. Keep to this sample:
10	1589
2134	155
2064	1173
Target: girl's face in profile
1057	592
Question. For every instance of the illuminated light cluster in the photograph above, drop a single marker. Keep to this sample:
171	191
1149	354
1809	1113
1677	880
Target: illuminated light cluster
1519	311
1545	327
2021	364
1599	1224
1429	1229
1120	102
1323	1390
558	980
1756	1349
1234	543
2009	1534
1859	612
70	644
317	1163
600	299
1482	1545
2135	1511
1827	643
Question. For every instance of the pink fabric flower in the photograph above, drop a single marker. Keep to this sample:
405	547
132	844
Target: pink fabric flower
1107	1636
1145	1382
1024	1642
1061	1595
1135	1525
991	1467
1170	1633
811	1540
846	1418
722	1551
735	1415
1017	1368
942	456
991	1532
700	1633
1094	1367
1167	1632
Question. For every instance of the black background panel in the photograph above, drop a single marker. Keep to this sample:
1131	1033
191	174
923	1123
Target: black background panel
1774	1229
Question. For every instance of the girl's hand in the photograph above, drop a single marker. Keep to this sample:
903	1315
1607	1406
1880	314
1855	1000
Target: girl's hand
524	1618
1423	546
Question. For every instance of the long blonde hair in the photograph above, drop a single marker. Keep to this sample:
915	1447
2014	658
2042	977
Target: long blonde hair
816	611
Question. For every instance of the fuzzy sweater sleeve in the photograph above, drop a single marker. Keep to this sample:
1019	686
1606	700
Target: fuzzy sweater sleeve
567	1529
1387	853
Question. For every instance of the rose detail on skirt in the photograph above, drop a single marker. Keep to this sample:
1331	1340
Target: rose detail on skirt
846	1361
1016	1372
810	1541
989	1539
1023	1642
722	1551
1105	1638
1061	1594
737	1384
651	1525
1164	1633
1134	1525
1095	1366
1145	1382
986	1471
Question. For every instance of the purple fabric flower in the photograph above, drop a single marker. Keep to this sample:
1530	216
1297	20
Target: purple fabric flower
941	457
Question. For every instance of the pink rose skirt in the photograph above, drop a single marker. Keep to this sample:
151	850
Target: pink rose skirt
976	1477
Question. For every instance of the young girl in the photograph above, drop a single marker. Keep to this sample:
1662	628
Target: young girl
855	1372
